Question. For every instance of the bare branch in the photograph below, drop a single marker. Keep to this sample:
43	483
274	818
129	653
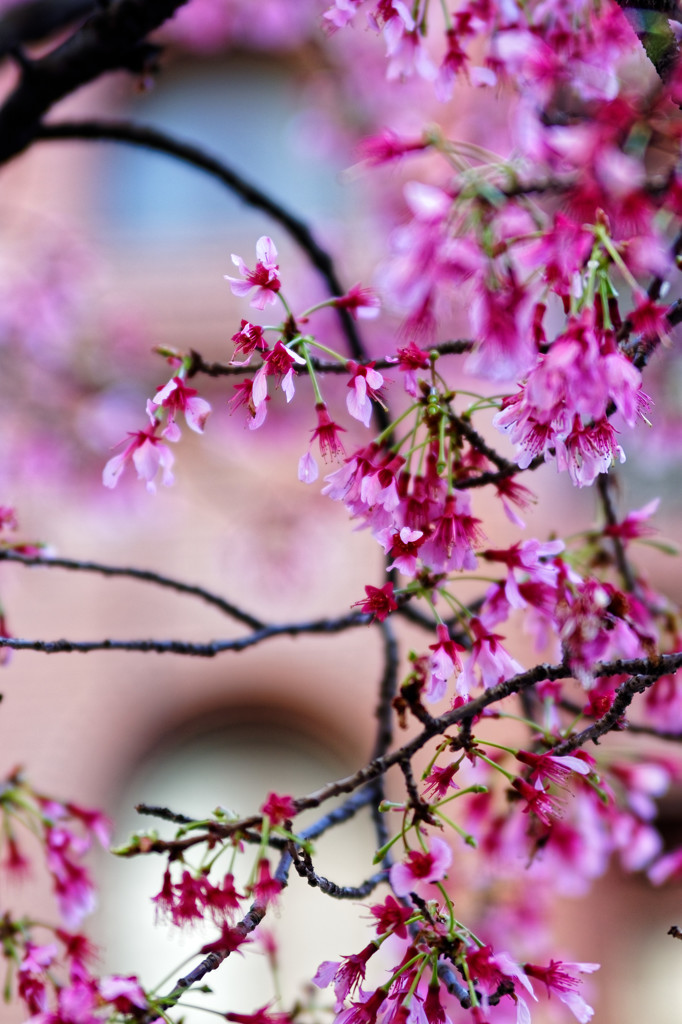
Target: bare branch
611	719
185	647
161	142
144	575
199	365
604	481
111	40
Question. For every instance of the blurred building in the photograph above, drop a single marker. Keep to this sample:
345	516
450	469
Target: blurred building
114	729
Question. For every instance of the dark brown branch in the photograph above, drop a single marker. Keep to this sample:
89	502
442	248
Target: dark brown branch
32	21
611	719
164	813
210	963
199	365
144	575
112	39
303	865
476	441
387	691
184	647
160	142
604	481
644	673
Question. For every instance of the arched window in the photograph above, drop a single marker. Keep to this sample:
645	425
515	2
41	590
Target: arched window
232	761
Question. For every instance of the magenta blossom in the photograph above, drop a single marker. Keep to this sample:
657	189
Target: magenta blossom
148	455
176	397
443	663
391	917
428	865
124	993
440	780
365	385
379	602
327	433
278	808
264	278
561	978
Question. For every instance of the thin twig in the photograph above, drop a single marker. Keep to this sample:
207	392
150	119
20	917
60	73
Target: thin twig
161	142
322	366
112	39
185	647
608	721
144	575
303	865
624	568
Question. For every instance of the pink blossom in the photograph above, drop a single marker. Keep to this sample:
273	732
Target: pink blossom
449	546
280	363
363	1011
365	385
278	808
443	663
244	396
148	454
307	469
387	146
230	940
379	601
260	1016
493	662
440	780
31	975
346	974
341	13
73	886
391	917
634	525
412	358
125	994
561	977
265	889
327	433
552	768
264	278
403	547
666	867
500	322
362	303
588	451
76	1004
248	339
428	865
176	397
544	806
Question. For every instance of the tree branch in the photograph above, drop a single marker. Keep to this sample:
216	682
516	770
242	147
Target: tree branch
608	721
604	481
199	365
144	575
185	647
161	142
111	40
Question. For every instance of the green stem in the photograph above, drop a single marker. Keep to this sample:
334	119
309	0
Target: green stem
380	438
466	836
494	764
329	351
313	376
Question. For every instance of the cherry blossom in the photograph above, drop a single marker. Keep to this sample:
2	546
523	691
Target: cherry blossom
421	866
379	602
264	278
148	454
176	397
